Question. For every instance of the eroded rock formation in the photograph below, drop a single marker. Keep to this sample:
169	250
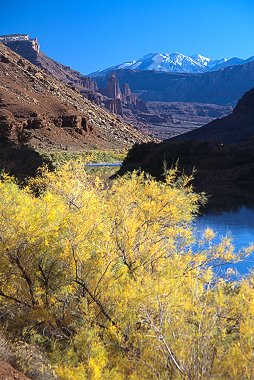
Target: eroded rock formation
118	97
159	119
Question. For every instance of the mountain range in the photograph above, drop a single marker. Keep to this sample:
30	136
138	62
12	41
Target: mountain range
175	63
223	87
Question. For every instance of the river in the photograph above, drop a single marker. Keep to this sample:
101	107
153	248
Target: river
230	212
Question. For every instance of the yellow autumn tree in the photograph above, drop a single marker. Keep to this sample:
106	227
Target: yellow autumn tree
110	280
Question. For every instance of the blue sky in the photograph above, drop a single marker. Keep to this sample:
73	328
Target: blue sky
92	35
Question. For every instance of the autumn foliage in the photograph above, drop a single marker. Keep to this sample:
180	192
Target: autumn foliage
109	280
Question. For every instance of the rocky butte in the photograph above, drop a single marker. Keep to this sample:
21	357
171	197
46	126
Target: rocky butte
29	49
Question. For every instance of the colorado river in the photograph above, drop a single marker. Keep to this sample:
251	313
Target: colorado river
230	212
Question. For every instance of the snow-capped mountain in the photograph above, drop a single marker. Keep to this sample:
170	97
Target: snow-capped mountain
176	63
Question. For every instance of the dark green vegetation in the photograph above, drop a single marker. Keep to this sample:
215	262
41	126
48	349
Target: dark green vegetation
20	161
211	161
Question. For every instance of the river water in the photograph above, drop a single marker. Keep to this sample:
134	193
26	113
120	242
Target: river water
230	212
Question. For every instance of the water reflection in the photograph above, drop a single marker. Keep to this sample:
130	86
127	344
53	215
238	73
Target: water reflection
230	212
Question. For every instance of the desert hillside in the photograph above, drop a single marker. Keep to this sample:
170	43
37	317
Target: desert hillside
39	111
